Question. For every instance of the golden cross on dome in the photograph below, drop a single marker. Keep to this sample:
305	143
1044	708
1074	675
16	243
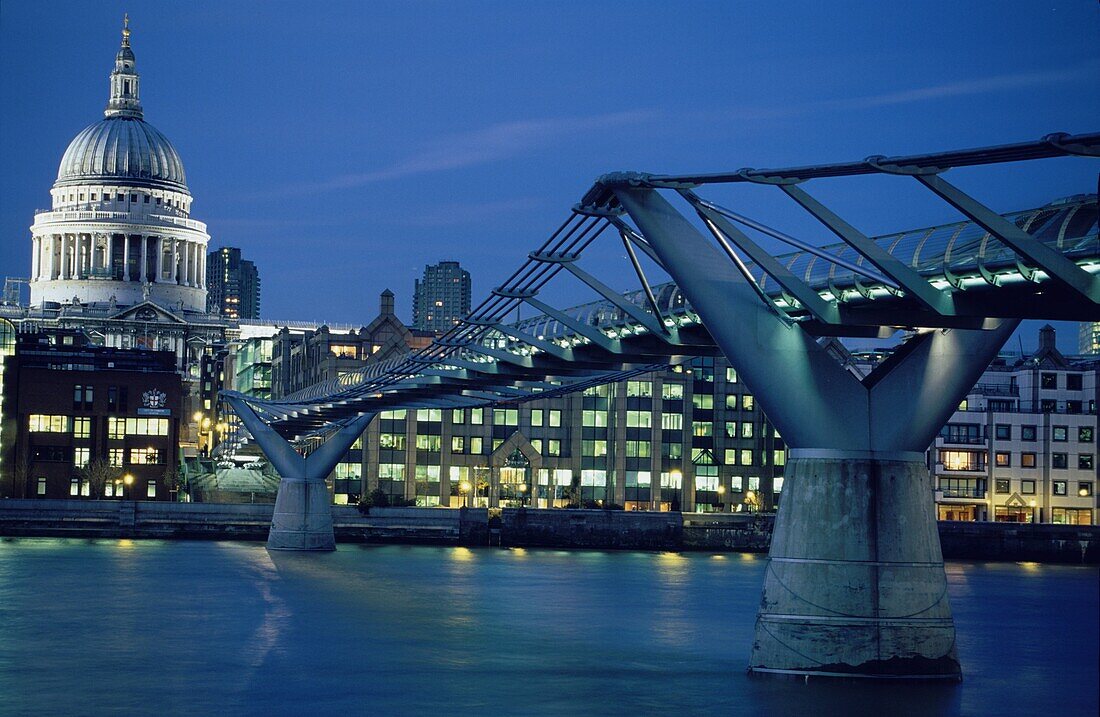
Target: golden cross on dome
126	28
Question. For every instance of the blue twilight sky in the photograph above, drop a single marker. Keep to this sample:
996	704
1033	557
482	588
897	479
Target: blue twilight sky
343	145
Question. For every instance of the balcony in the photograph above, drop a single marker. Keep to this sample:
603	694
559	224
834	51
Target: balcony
963	493
963	440
995	389
43	216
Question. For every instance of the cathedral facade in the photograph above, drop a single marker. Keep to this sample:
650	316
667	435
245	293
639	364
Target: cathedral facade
118	255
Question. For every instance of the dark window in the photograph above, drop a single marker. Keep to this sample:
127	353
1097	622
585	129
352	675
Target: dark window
146	198
1048	405
1027	433
1073	382
1060	433
1084	489
1084	461
1003	431
1000	485
52	454
112	398
1073	406
121	197
968	433
1084	434
1048	380
133	197
1059	460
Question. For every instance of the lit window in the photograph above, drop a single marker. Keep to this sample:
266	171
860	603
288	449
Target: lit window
146	456
39	423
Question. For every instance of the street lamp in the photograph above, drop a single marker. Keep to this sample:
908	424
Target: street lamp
523	494
721	492
750	500
464	490
128	480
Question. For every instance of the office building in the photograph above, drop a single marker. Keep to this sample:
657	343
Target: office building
442	297
84	421
233	285
1022	446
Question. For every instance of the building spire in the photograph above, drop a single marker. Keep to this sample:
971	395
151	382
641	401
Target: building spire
125	97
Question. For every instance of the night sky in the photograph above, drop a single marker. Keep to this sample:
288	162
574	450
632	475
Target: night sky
343	145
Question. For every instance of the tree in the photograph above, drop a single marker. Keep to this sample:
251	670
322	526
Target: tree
171	479
21	473
98	473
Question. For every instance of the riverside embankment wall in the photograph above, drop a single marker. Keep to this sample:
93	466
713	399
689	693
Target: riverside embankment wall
511	527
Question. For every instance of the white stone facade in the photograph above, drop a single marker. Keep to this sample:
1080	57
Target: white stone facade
119	231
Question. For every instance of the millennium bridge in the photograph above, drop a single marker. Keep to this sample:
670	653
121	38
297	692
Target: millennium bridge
855	584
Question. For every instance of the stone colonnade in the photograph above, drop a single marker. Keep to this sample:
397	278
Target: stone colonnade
84	255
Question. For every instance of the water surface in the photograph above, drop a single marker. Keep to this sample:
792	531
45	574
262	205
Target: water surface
158	627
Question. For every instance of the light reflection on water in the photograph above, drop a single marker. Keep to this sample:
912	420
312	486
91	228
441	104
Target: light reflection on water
151	627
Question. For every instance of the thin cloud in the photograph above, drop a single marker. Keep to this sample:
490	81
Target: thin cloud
1088	71
450	215
966	88
489	144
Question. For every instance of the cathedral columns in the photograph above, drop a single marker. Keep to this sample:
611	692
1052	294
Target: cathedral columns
85	263
158	244
36	250
125	257
67	245
109	259
175	260
143	273
193	279
53	256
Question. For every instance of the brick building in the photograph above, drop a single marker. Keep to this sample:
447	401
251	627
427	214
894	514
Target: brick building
68	405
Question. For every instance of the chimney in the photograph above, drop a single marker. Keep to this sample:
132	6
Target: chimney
1046	338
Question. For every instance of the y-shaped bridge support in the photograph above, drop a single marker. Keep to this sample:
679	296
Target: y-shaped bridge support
855	583
303	512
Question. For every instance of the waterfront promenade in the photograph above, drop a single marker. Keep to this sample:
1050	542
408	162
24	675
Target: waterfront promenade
558	528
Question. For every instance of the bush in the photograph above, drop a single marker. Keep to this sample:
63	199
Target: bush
378	498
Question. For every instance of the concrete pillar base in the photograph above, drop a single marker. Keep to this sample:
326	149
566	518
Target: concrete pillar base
855	585
303	517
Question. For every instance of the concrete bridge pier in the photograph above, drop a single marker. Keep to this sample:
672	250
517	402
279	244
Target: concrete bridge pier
302	519
855	585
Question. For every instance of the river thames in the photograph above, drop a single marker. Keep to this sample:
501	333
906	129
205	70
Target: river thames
122	627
